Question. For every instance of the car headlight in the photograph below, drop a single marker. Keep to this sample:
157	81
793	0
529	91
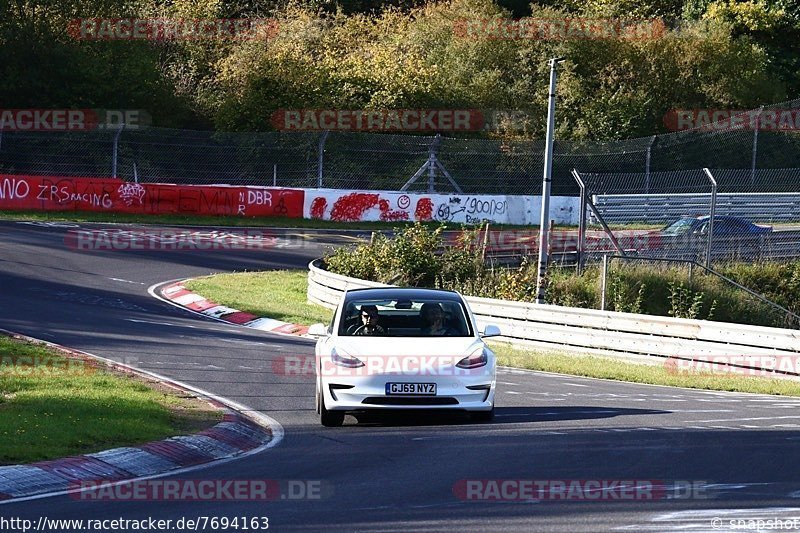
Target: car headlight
476	360
342	359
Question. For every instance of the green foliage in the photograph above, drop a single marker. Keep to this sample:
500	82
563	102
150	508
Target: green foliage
418	257
684	302
623	296
370	54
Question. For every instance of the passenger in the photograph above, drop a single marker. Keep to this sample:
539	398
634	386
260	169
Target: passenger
433	315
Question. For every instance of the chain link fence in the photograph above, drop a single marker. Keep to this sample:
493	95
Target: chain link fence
744	159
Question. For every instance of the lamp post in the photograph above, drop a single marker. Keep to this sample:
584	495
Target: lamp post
547	179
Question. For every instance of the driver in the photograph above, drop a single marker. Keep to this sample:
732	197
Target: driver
369	322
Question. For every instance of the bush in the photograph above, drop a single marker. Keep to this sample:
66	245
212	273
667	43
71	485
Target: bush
418	257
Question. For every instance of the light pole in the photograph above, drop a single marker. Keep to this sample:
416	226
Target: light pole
547	179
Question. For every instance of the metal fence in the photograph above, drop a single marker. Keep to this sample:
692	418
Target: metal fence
697	224
745	160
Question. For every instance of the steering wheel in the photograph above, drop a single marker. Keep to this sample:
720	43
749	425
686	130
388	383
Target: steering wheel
378	330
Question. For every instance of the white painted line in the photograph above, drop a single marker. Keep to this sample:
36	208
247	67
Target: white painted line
701	410
158	323
127	281
666	400
749	419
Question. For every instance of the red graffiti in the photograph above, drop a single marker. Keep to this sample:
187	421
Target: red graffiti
47	193
351	207
393	216
318	207
424	209
387	215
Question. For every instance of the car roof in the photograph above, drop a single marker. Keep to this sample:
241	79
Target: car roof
721	217
405	293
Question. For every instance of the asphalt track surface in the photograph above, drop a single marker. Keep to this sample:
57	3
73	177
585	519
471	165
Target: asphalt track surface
398	473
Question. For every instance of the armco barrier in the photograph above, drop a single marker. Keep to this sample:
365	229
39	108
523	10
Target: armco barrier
592	331
663	208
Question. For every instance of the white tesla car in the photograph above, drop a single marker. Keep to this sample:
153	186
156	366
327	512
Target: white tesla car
403	348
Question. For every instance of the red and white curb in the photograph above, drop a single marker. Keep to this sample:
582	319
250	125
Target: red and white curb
241	433
177	294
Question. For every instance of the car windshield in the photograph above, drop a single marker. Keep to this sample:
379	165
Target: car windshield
405	318
679	227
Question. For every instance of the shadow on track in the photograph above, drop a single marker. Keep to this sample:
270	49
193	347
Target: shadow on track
503	415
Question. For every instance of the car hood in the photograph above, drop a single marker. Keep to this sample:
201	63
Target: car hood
408	346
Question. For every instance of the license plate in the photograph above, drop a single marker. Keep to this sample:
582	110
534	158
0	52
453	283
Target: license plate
418	389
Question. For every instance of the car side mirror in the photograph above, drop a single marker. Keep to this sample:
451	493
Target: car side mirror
490	331
317	330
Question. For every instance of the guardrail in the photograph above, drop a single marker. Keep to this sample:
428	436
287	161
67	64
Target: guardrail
658	208
629	335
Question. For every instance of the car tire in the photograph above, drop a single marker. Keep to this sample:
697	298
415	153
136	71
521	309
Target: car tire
483	416
329	419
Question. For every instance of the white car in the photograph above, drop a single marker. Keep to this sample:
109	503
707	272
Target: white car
403	348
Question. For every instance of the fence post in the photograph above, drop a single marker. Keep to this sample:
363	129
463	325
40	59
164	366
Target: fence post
115	150
581	223
755	147
711	215
603	283
647	165
320	159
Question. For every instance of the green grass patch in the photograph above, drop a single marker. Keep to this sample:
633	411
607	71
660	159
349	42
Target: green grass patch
54	406
278	294
609	368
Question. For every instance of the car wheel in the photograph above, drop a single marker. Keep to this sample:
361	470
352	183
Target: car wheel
329	419
483	416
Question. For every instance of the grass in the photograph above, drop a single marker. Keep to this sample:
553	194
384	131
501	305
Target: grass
282	294
608	368
279	294
54	406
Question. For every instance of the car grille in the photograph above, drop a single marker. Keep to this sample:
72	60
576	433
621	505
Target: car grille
396	400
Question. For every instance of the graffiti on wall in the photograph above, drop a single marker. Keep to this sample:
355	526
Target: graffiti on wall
100	194
348	206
